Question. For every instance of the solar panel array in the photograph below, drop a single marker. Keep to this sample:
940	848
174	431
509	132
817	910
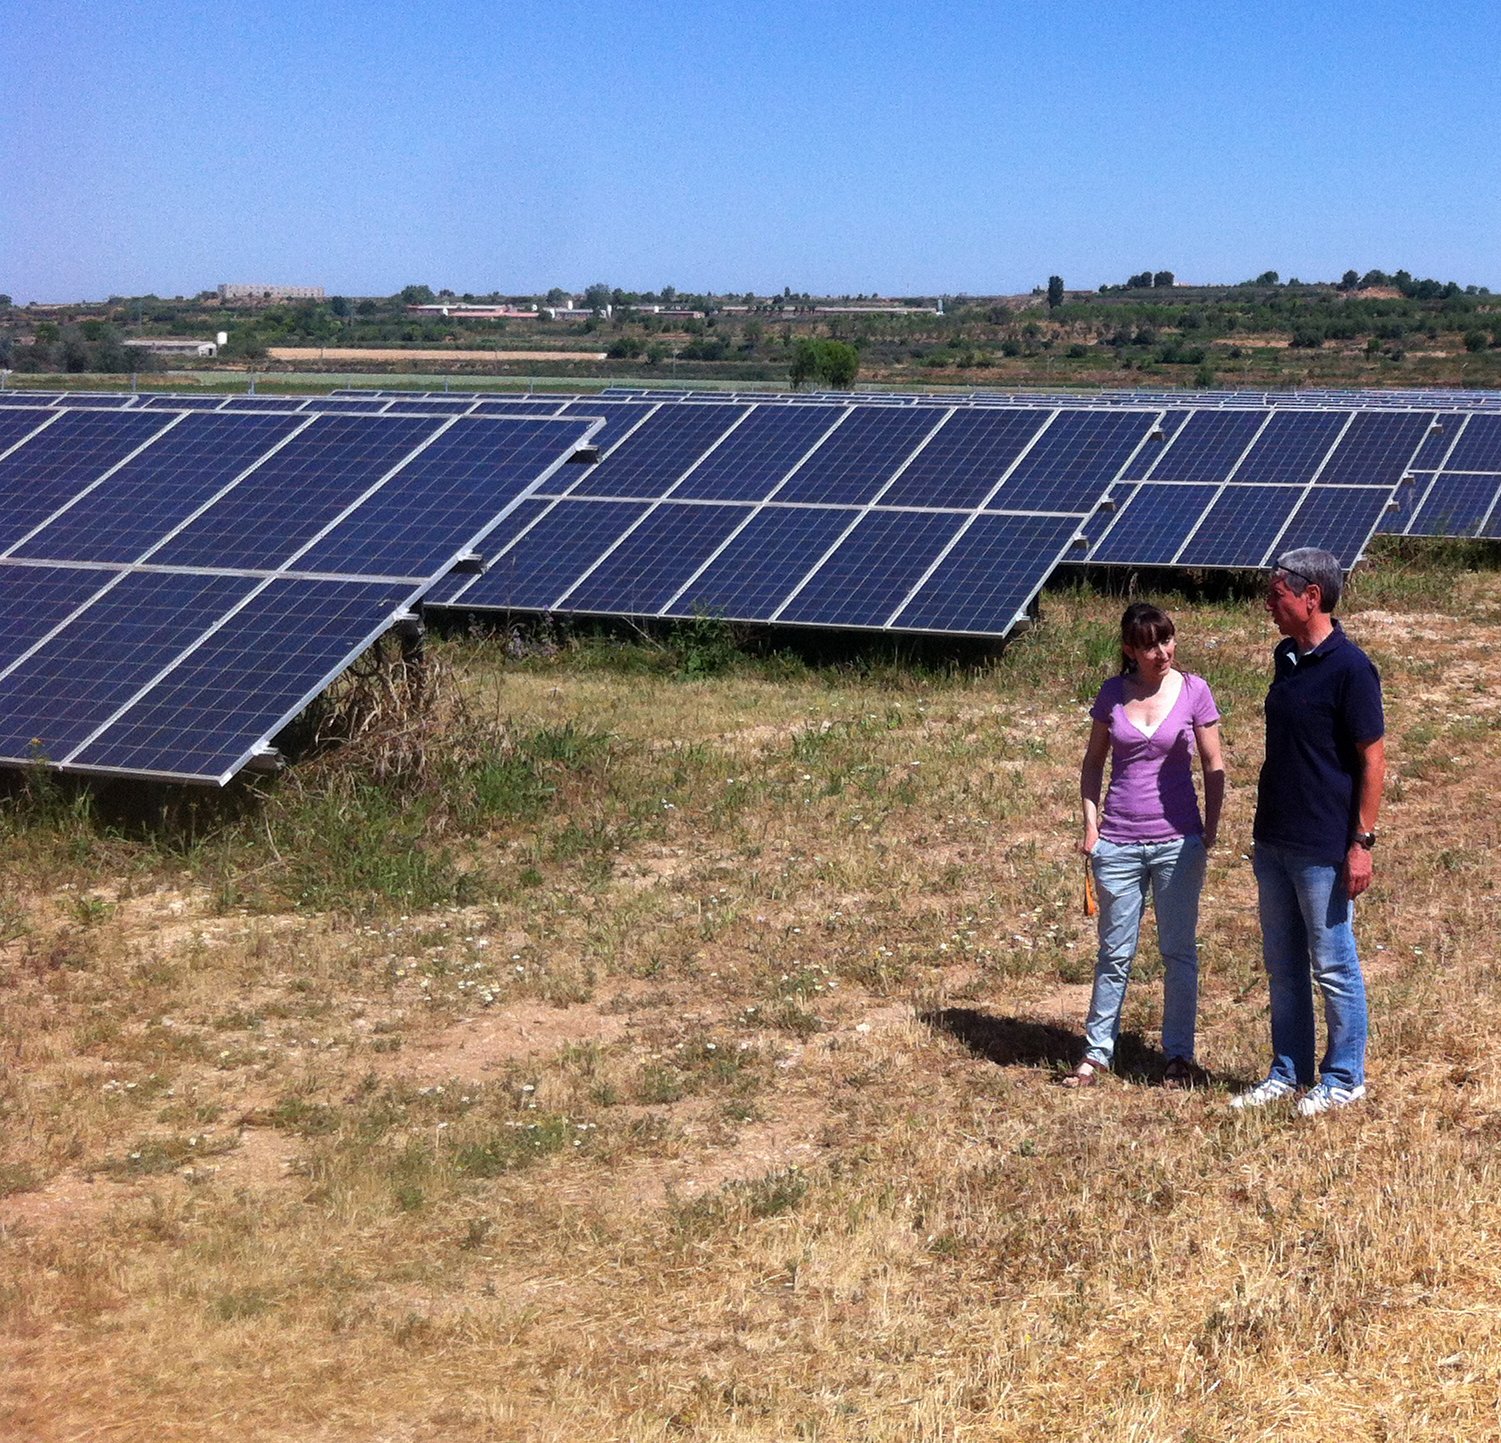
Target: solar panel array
179	575
1210	488
1462	498
1442	497
1434	495
175	585
835	515
1457	479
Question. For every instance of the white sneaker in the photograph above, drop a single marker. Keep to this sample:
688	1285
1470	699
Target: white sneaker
1269	1089
1326	1096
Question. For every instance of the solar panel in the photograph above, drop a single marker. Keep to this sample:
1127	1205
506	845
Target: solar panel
726	508
176	401
1455	503
1241	523
1458	479
873	569
651	459
177	585
75	450
20	422
758	565
554	546
1291	447
965	459
1320	463
118	517
981	585
1273	469
859	457
653	560
1206	446
1152	522
757	454
430	406
1080	454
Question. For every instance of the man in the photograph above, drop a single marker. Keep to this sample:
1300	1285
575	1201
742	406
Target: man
1316	807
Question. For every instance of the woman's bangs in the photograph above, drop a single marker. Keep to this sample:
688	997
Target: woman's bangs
1149	631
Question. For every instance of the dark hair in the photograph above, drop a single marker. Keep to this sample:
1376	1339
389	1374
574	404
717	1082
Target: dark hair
1143	626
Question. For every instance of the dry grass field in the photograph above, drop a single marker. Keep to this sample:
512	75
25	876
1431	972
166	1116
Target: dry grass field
663	1047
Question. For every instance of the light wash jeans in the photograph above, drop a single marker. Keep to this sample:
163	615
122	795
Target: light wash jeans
1122	872
1306	936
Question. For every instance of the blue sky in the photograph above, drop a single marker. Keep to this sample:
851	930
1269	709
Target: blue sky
513	145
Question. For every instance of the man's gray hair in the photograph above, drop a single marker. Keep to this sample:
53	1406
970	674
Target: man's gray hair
1309	564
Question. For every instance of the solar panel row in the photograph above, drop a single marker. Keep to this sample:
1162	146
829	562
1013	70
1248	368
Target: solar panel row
1374	451
174	586
1464	501
182	578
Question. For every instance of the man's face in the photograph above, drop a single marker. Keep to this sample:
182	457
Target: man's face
1290	613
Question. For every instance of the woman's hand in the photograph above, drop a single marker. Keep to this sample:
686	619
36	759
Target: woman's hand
1089	841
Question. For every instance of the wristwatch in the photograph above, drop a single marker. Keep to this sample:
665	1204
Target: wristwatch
1364	839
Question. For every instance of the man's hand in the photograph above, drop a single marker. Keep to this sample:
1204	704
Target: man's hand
1358	871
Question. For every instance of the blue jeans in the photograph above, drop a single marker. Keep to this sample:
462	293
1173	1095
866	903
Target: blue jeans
1122	872
1306	936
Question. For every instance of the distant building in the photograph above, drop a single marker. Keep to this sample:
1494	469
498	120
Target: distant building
878	310
172	346
463	312
267	295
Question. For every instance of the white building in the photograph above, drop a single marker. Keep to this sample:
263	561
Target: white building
172	346
266	295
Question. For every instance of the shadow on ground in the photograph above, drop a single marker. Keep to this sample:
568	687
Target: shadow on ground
1024	1042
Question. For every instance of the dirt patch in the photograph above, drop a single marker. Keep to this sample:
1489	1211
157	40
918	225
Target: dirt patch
469	1050
69	1200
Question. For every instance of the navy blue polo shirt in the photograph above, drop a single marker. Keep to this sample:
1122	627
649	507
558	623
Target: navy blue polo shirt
1317	708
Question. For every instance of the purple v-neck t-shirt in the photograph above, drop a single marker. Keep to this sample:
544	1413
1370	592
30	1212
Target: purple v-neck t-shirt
1151	796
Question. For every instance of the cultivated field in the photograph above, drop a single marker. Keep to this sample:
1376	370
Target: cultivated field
662	1047
417	353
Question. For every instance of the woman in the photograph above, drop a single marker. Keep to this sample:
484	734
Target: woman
1150	719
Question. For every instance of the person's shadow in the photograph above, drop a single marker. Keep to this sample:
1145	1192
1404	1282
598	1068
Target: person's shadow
1024	1042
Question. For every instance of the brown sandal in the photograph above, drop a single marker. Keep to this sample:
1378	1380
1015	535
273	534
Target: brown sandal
1086	1074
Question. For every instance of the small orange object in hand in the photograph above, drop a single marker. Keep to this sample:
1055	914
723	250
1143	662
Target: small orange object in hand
1091	907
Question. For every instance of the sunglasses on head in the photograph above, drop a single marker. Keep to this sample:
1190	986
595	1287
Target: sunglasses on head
1303	576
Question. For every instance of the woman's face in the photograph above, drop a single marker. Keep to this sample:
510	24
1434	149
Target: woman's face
1155	661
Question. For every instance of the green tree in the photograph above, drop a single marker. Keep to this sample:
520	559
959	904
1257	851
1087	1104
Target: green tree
834	363
1055	292
244	344
1162	279
597	296
75	351
804	365
416	296
112	358
841	364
